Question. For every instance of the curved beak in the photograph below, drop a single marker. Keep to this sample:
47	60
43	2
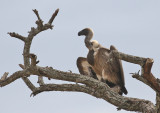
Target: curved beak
79	33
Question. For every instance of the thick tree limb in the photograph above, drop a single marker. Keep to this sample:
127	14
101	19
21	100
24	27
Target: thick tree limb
146	64
101	90
158	102
130	104
27	81
129	58
149	76
52	73
63	87
67	76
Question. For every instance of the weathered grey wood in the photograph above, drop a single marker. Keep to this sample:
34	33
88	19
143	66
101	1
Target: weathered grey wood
92	87
129	58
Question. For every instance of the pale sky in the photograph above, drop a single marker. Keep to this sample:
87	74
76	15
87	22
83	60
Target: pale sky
133	26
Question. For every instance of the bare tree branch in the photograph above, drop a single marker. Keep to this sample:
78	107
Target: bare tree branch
4	76
129	104
39	22
158	102
16	35
140	78
36	12
129	58
101	90
146	64
53	16
29	84
149	76
27	81
32	33
14	77
63	87
88	85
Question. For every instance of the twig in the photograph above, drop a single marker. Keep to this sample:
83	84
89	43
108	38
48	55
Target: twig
4	76
140	78
14	77
39	22
22	66
33	59
53	16
16	35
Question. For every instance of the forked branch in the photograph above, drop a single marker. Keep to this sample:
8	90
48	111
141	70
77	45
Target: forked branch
146	63
149	76
27	45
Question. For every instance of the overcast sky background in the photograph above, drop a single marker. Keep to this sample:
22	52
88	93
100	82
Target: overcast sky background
133	26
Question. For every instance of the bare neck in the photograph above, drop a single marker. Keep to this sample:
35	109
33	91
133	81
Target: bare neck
88	42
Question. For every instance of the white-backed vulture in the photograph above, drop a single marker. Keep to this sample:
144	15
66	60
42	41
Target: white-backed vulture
107	68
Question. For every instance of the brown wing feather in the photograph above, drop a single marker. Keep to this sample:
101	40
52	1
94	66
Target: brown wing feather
119	65
100	58
109	68
106	66
85	68
121	74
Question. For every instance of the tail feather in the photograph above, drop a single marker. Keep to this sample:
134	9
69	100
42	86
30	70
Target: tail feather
124	90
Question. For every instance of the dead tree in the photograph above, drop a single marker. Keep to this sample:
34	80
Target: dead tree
87	84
